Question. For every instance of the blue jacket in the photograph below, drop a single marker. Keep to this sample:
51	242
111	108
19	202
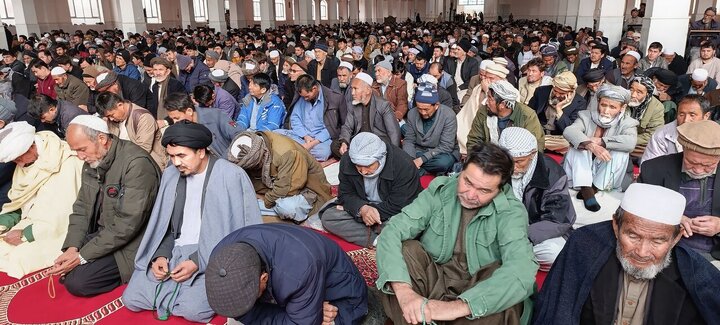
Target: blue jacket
197	76
270	116
305	269
413	71
130	71
222	128
244	84
585	64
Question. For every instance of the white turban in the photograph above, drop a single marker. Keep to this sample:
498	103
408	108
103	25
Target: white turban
366	148
15	140
505	90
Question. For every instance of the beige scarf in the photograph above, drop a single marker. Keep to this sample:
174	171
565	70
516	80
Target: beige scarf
254	157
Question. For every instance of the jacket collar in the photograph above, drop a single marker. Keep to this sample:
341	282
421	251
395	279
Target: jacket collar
109	158
388	172
540	177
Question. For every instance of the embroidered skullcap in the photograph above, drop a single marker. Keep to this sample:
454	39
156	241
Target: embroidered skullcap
634	54
250	67
497	70
565	81
640	200
15	140
594	75
700	136
366	78
505	90
92	122
232	279
218	75
518	141
366	148
385	64
427	93
187	134
700	74
57	71
616	93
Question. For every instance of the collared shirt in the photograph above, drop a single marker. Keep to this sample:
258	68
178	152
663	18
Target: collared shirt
458	73
632	300
254	114
307	118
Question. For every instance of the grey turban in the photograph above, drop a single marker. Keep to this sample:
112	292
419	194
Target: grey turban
615	93
366	148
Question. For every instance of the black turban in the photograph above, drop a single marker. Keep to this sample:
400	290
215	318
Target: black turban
666	76
187	134
594	75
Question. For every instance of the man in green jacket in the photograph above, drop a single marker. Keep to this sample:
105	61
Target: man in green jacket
429	270
501	110
119	185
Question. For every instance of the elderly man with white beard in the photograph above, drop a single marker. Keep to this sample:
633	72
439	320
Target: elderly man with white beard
647	110
630	270
601	139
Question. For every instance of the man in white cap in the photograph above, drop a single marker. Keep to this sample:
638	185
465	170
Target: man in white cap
369	113
44	188
69	88
503	109
220	78
391	88
343	80
707	61
601	139
630	270
693	174
626	72
542	186
276	65
676	63
698	82
105	228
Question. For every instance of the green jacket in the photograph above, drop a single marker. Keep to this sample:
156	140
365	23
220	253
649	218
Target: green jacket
129	179
651	120
499	232
522	116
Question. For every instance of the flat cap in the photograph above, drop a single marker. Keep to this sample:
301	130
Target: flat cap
700	136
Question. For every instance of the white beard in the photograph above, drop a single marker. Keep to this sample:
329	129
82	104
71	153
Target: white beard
634	103
606	119
95	164
356	102
647	273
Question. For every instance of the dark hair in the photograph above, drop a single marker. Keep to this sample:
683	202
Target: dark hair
620	214
106	102
398	67
37	64
40	104
63	59
203	94
536	62
655	45
492	159
700	100
706	45
602	48
305	82
178	101
262	80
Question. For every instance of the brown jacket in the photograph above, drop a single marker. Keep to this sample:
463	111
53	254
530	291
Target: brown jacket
73	90
293	169
143	131
396	94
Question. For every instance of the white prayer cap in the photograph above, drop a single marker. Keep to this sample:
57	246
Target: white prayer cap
310	54
240	141
15	140
428	78
668	51
414	51
91	121
485	36
366	78
642	200
274	54
700	74
485	63
518	141
57	71
634	54
443	44
347	65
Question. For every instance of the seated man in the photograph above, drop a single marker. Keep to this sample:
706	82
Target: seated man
647	110
535	78
316	118
261	109
127	121
104	234
180	107
692	174
601	140
284	274
391	88
541	184
69	88
460	250
214	198
377	179
557	107
503	110
54	114
127	88
665	140
44	187
369	113
630	270
665	89
292	182
696	83
430	133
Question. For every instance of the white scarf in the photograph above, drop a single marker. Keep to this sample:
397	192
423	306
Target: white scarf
492	125
519	184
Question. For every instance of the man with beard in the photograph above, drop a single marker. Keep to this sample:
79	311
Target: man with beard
665	88
693	174
542	186
647	110
342	83
708	22
707	61
557	107
630	270
323	68
627	71
460	252
698	82
163	84
391	88
601	140
592	81
553	65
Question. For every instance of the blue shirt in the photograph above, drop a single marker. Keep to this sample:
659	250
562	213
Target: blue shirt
130	71
307	119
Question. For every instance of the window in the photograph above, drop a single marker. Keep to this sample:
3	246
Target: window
256	10
323	10
227	4
337	10
152	11
6	10
471	2
200	8
313	9
280	10
85	11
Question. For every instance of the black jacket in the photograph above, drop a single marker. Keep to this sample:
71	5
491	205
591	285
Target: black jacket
334	113
134	91
174	86
539	103
66	112
233	88
398	185
469	68
684	86
328	72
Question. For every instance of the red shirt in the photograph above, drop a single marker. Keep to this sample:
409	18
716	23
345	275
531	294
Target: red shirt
47	87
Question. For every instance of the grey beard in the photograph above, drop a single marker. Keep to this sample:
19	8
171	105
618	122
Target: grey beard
647	273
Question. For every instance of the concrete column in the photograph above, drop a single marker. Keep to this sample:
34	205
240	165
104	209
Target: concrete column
303	8
586	11
354	13
128	11
571	13
26	21
562	11
491	10
216	15
611	20
187	13
369	11
4	43
267	14
316	21
343	10
663	21
699	9
332	11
